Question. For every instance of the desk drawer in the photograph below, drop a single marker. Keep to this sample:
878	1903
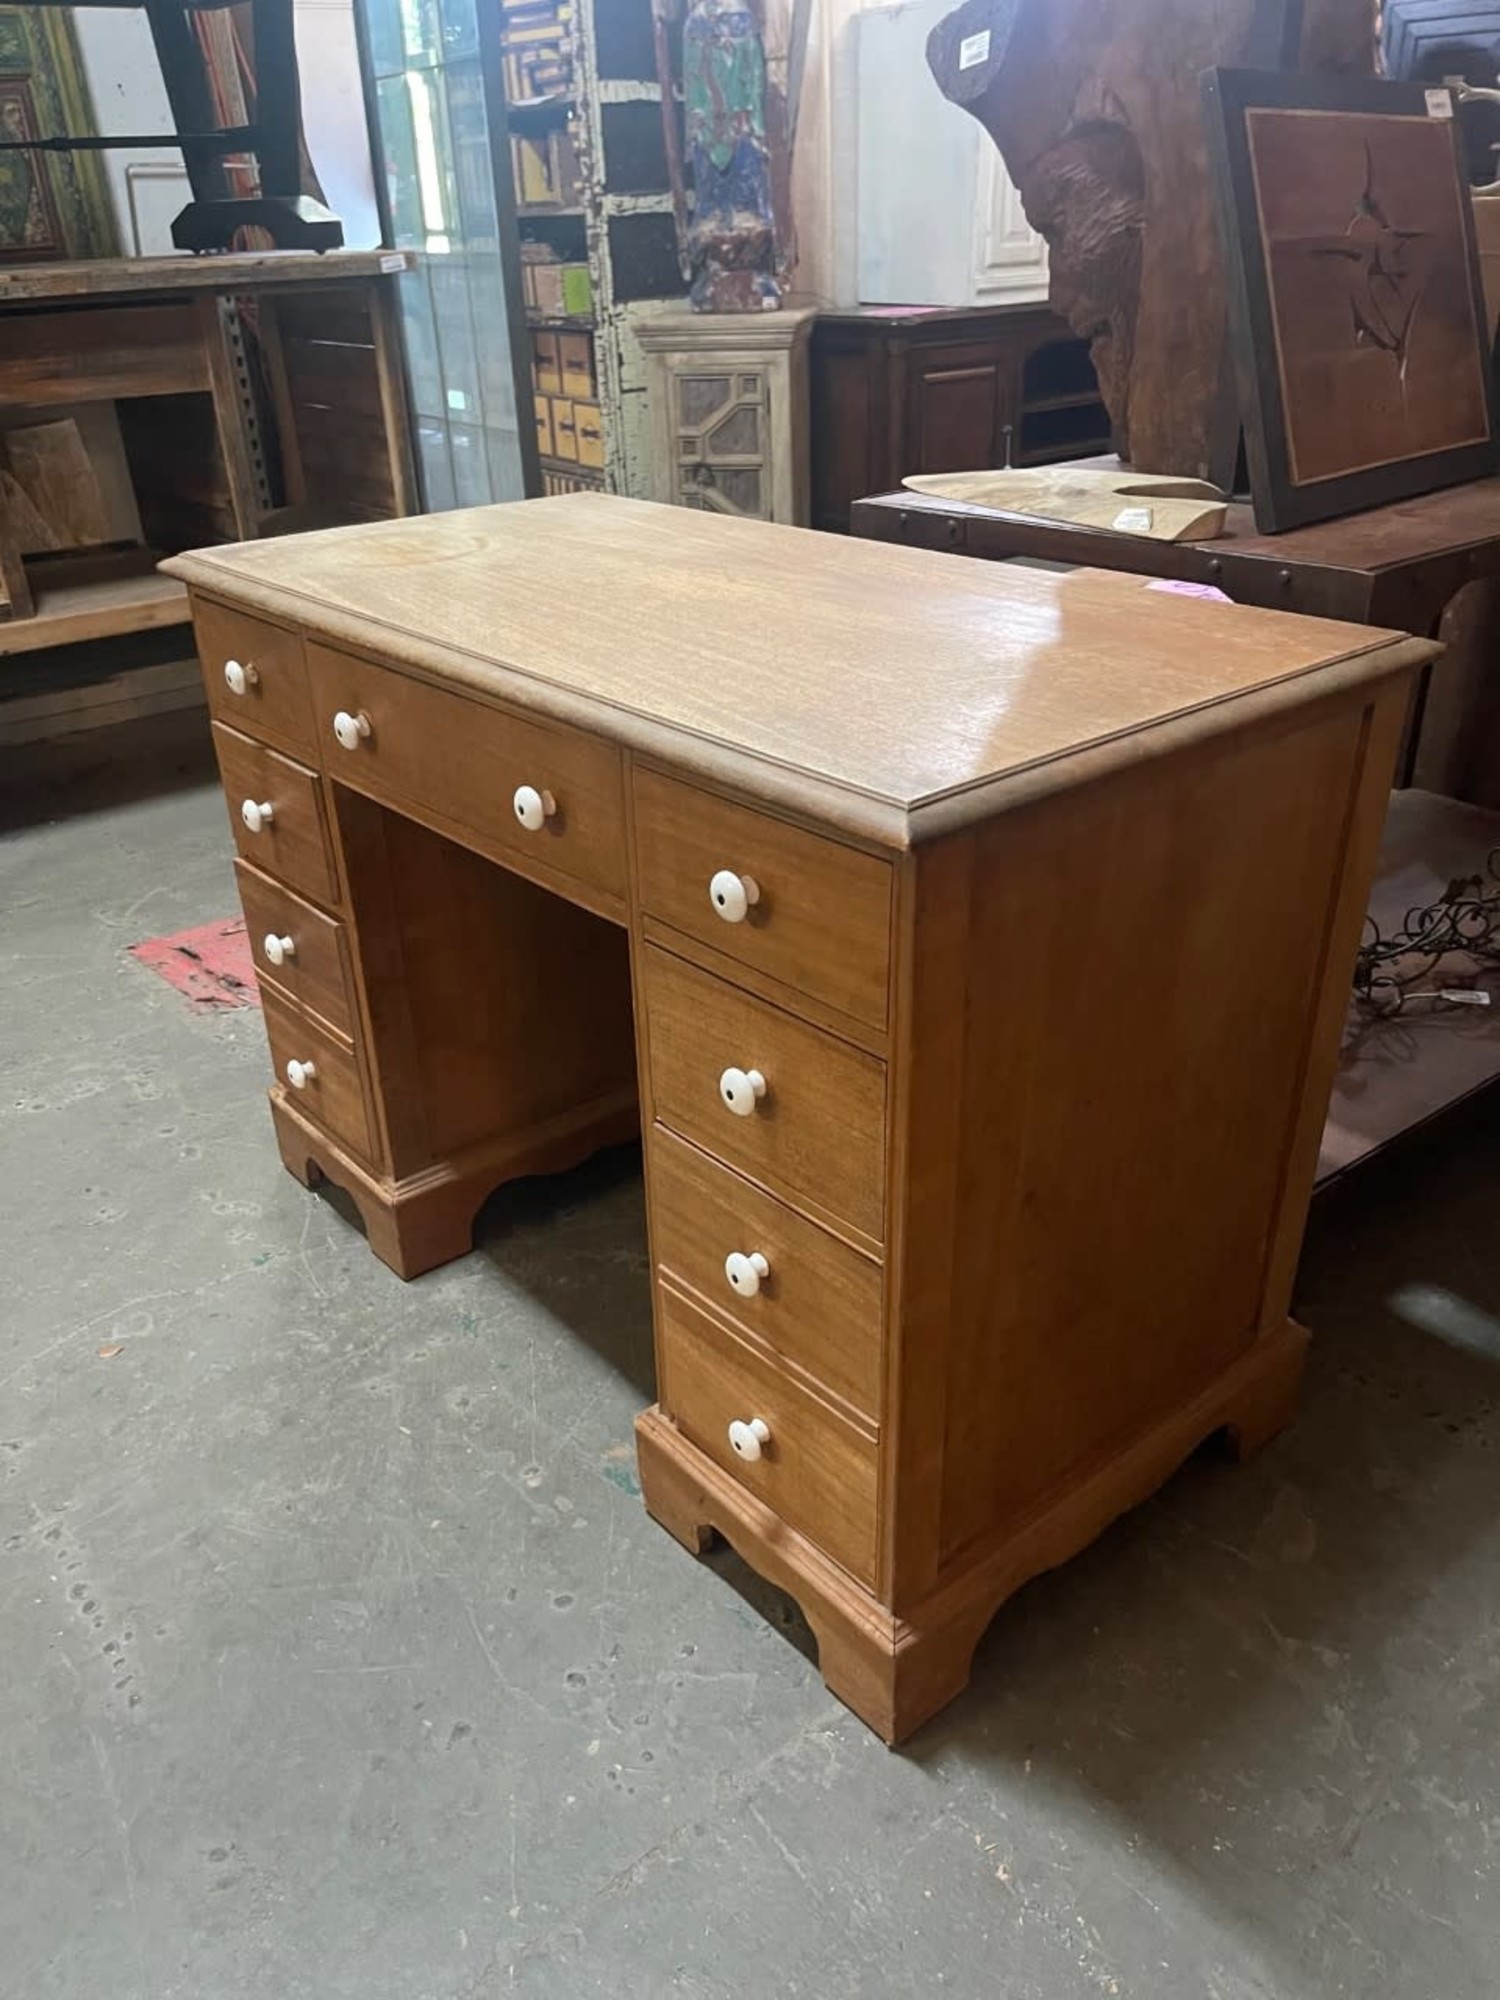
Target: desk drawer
821	920
818	1302
311	964
818	1129
815	1468
333	1093
293	843
255	676
468	762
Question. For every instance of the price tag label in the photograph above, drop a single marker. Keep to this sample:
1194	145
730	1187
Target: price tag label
1440	104
393	263
975	49
1464	996
1132	521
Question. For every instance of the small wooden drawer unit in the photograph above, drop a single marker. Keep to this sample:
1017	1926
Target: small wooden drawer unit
901	902
810	1464
794	905
787	1283
255	677
783	1102
321	1071
544	799
297	947
277	815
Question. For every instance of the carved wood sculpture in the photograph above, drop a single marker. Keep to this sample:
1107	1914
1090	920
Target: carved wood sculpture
1095	106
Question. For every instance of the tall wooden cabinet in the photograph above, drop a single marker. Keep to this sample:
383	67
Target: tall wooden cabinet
901	389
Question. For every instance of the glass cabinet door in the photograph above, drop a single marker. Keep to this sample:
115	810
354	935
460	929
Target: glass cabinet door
434	143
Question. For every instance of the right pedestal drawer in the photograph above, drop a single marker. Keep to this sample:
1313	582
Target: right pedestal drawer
813	1467
782	1101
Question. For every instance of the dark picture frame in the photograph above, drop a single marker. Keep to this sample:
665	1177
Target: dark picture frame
1357	317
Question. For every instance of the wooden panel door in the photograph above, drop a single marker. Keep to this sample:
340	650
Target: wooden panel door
958	401
721	439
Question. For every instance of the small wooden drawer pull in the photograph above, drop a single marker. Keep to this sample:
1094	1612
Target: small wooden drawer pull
533	808
742	1090
746	1274
749	1440
257	815
240	677
351	730
300	1074
733	895
278	949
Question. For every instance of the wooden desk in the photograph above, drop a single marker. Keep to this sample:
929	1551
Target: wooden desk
985	936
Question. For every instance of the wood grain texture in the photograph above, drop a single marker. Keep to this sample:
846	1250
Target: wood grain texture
244	272
427	744
103	352
817	1134
890	676
294	845
276	704
334	1097
316	974
820	1306
822	921
818	1471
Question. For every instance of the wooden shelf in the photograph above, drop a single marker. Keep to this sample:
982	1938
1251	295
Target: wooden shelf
1079	399
571	467
68	612
559	322
544	212
1397	1074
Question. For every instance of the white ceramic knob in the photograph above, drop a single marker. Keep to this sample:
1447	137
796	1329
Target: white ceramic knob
749	1440
732	895
278	949
257	817
239	679
745	1273
533	808
300	1074
742	1090
351	730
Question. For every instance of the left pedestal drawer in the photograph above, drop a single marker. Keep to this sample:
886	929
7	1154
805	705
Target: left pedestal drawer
319	1072
255	676
297	947
276	814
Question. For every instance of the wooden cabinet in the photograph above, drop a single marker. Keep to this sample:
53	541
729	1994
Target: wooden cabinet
897	389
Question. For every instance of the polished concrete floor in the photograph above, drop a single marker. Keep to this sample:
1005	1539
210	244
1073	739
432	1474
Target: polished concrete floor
338	1657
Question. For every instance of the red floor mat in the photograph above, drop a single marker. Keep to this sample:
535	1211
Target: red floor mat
211	964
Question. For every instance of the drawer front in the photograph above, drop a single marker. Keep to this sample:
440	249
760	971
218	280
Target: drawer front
310	962
255	676
816	1469
333	1094
821	918
817	1302
469	762
818	1129
293	843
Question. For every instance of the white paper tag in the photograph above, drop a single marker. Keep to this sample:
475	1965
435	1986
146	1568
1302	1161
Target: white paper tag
1464	996
1440	104
397	262
1133	521
975	49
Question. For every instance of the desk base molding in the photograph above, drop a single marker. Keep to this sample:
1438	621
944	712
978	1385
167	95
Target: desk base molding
897	1672
427	1219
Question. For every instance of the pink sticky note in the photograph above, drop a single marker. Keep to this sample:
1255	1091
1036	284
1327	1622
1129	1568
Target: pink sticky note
1179	589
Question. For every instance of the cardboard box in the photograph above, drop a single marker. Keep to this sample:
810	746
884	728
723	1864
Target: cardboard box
531	160
575	353
544	426
545	370
564	430
588	429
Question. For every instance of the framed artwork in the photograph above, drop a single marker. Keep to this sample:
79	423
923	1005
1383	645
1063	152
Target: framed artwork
1361	347
51	204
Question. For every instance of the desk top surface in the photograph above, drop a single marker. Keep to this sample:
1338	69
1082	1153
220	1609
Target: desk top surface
775	657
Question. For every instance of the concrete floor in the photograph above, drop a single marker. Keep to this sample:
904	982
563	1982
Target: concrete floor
338	1657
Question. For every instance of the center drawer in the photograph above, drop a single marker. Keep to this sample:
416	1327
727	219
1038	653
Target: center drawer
544	797
815	1128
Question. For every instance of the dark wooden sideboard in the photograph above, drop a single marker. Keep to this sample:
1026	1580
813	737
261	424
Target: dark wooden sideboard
902	389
